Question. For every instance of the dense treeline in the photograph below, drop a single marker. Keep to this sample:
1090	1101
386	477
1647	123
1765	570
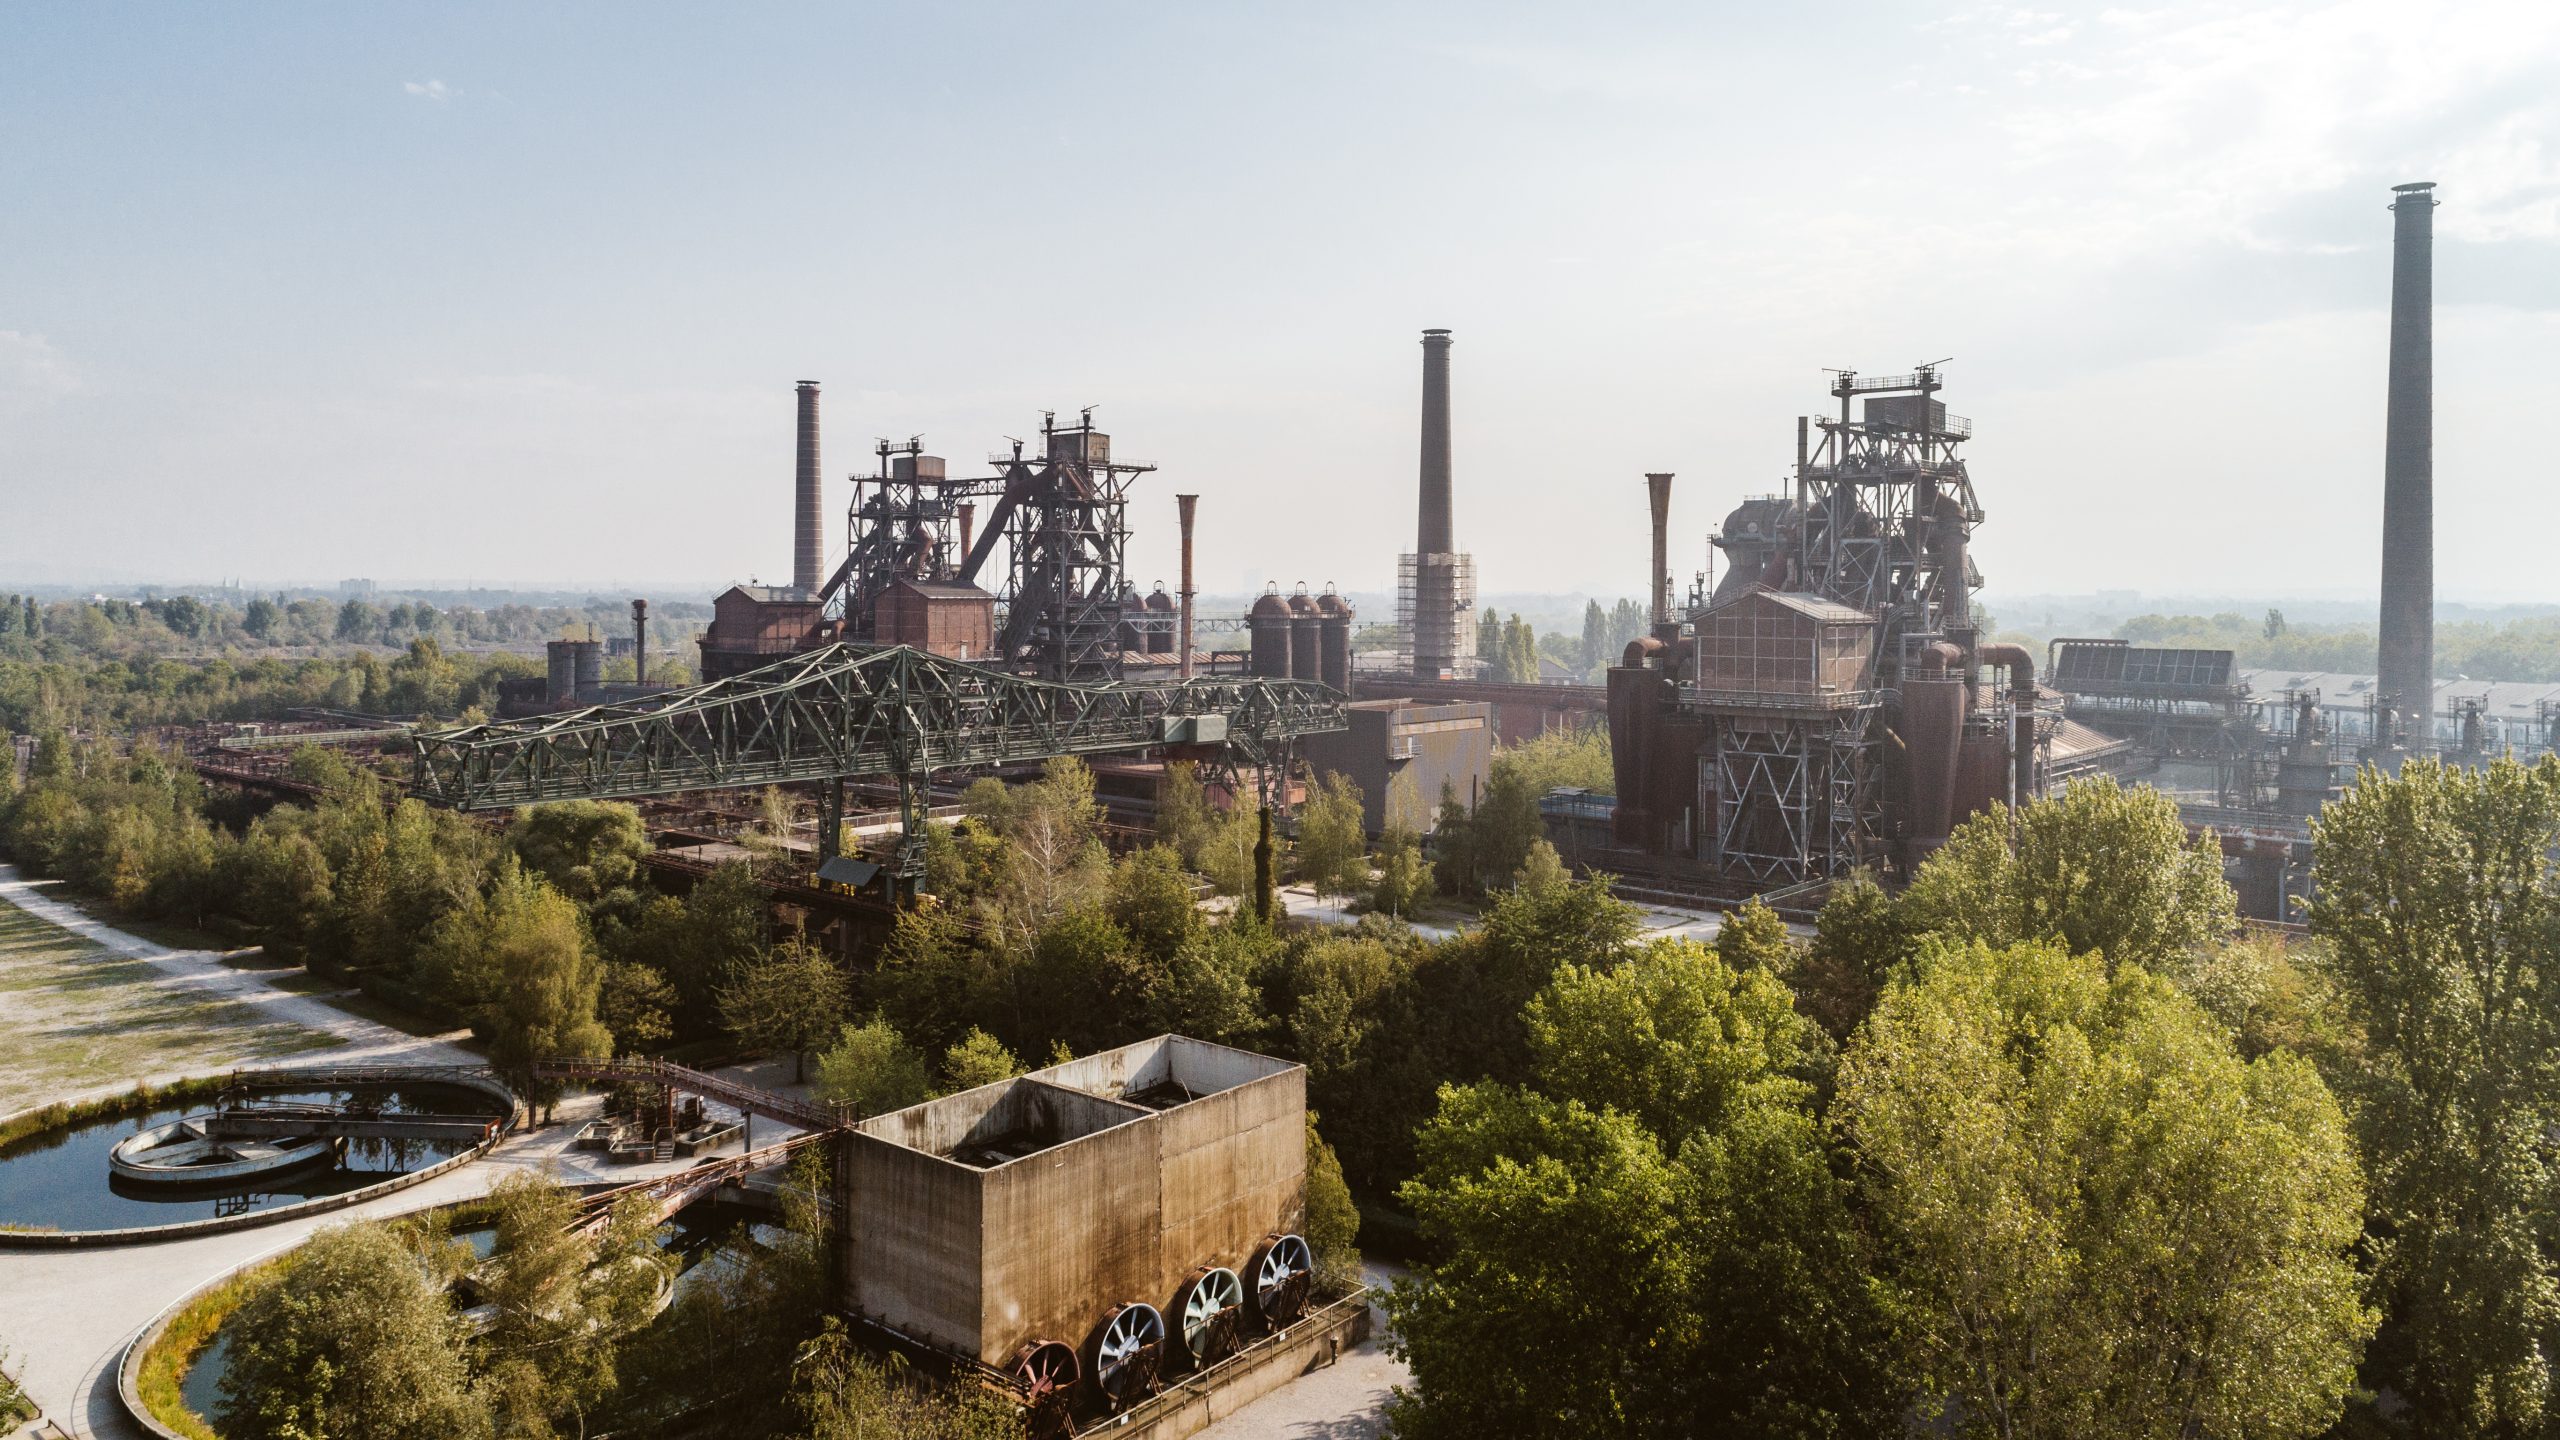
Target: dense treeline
188	624
112	666
2526	650
2043	1145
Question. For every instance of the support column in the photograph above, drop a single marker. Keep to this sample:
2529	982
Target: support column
830	819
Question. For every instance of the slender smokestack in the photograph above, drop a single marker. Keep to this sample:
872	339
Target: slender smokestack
1437	532
1435	621
1658	486
1190	505
809	523
2407	660
968	529
640	642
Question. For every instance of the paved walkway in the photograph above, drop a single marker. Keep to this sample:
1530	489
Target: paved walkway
1656	921
1346	1400
66	1315
362	1041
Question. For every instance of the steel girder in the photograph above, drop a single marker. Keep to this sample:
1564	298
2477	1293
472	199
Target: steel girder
842	712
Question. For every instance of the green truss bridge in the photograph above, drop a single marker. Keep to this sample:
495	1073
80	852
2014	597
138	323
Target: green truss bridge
848	712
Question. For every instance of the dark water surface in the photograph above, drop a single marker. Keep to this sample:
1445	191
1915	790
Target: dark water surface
60	1180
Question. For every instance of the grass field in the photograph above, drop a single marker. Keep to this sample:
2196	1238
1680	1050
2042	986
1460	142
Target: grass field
75	1017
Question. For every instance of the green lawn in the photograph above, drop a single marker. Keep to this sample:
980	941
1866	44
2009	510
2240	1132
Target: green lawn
76	1016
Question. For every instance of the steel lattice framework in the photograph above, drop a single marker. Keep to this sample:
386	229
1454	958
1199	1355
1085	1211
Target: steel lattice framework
849	711
1796	795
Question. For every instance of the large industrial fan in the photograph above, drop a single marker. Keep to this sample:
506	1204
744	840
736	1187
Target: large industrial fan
1128	1352
1284	1271
1211	1304
1047	1372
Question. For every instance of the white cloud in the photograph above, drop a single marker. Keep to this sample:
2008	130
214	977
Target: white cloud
435	90
32	373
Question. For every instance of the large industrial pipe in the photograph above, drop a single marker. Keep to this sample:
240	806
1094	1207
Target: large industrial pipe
968	526
2022	724
1658	489
640	642
809	529
1189	505
2406	663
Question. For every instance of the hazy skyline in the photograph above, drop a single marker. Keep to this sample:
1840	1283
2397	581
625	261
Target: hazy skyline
520	295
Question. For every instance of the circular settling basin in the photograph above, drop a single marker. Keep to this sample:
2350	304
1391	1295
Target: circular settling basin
63	1180
706	1239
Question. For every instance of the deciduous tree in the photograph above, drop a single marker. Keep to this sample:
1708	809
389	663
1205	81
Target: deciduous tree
2435	894
2103	1221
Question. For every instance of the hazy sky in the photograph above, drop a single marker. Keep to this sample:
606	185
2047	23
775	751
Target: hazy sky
516	294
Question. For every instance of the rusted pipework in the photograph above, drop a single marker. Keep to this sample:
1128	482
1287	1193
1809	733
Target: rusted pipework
2022	726
1639	650
1940	656
2022	666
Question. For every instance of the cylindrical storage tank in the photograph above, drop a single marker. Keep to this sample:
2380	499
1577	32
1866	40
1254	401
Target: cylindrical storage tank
1126	635
1268	621
561	683
588	666
1160	636
1982	775
1305	637
1932	729
1333	640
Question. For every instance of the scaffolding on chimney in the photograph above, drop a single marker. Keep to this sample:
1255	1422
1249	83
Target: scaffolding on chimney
1435	609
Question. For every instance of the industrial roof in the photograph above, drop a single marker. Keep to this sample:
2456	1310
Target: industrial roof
944	589
773	594
1813	607
2340	691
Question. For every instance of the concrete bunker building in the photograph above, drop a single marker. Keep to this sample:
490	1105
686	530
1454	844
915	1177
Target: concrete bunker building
1073	1208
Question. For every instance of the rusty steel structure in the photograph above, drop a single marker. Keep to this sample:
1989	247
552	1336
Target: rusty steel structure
847	712
1064	517
1822	709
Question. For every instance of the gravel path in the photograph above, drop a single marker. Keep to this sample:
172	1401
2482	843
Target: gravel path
202	972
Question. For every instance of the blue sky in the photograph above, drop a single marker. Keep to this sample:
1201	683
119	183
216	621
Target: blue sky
518	293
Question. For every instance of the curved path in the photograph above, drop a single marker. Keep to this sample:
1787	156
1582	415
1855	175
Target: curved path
66	1316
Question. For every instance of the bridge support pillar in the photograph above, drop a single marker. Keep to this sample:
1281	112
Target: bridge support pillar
830	819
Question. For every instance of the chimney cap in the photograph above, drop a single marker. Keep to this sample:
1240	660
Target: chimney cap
808	384
2413	185
1427	336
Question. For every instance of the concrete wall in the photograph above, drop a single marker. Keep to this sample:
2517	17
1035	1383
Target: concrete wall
1069	1232
1451	744
1232	1169
912	1263
1121	1206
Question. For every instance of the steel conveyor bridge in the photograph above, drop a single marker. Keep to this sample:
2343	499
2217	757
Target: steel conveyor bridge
849	712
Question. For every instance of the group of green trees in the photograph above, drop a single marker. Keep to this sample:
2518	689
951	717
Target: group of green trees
195	624
2520	650
544	936
2042	1146
362	1333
